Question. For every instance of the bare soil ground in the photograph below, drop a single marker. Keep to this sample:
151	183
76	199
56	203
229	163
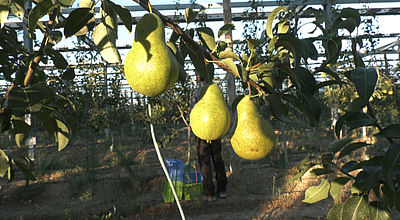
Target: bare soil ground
256	190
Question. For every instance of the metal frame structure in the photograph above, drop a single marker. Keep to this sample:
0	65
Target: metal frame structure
215	13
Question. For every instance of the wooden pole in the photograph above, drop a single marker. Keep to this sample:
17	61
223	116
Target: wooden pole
230	84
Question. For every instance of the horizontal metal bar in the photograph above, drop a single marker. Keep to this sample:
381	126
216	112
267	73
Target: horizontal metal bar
236	16
247	4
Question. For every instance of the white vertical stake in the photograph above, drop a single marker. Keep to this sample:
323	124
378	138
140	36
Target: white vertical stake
160	159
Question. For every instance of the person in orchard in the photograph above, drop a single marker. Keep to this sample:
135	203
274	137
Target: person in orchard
209	152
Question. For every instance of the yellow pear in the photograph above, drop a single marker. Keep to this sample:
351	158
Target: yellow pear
253	138
209	118
150	67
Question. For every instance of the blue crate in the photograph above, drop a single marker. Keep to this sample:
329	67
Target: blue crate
175	169
190	177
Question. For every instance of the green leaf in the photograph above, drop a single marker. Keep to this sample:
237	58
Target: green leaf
303	170
124	14
365	81
109	15
356	207
317	193
17	101
221	46
69	74
22	100
198	63
272	43
86	3
25	170
327	83
357	105
294	100
58	59
236	102
389	195
321	171
265	75
369	177
351	13
40	10
79	22
18	8
63	135
306	80
374	161
336	213
48	122
104	38
206	35
105	34
396	200
190	15
4	10
390	160
231	65
11	172
336	185
349	166
182	74
331	73
349	24
391	131
178	55
55	37
228	54
339	125
283	26
358	119
6	121
339	144
278	109
174	37
252	43
311	51
226	29
303	166
351	147
271	18
377	212
20	130
4	164
296	46
311	107
332	48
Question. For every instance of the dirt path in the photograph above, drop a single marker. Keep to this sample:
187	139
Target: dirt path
258	190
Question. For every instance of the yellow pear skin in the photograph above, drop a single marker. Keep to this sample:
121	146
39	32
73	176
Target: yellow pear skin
209	118
150	67
253	138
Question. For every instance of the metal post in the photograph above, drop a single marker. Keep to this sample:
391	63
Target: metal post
105	94
28	43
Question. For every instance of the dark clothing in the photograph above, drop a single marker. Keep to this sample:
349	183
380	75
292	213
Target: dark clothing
206	152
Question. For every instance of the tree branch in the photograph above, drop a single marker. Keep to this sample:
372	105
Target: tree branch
38	57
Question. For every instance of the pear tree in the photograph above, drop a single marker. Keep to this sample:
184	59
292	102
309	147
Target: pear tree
273	69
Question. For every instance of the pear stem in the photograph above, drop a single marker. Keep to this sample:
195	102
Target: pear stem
150	9
248	85
161	160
